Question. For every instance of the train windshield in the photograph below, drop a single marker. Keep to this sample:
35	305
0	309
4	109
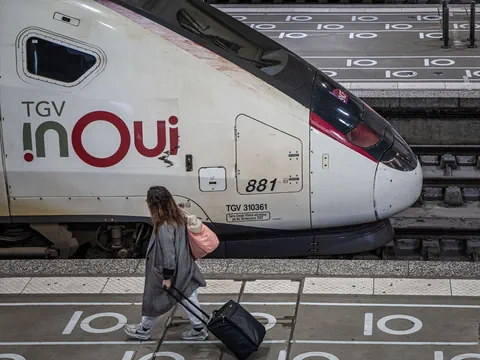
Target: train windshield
233	40
269	59
341	115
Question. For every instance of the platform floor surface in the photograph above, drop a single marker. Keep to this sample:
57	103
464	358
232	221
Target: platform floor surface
374	45
319	318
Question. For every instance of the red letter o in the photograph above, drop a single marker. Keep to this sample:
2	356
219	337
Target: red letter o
112	119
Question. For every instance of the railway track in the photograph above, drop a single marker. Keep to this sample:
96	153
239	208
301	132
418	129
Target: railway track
445	166
457	150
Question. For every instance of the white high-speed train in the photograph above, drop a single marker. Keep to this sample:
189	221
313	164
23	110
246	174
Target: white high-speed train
102	99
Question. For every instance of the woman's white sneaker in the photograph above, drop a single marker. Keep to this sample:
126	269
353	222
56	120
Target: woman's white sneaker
195	335
136	331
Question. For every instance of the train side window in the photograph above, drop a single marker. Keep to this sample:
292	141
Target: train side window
55	61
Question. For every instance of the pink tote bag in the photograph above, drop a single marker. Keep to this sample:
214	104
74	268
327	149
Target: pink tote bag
202	240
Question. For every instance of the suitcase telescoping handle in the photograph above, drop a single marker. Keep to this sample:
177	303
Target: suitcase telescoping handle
189	301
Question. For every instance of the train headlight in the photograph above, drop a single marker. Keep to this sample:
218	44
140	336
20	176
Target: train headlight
362	135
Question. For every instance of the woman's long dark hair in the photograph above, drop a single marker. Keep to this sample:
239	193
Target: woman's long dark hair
163	208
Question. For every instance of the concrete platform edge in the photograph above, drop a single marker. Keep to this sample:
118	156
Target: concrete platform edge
414	93
420	99
249	268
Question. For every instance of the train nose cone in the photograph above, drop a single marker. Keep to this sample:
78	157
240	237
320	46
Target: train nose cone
395	190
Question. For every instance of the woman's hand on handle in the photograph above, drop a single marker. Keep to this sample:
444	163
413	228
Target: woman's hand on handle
167	284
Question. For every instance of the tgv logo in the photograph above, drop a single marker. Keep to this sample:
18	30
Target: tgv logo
44	109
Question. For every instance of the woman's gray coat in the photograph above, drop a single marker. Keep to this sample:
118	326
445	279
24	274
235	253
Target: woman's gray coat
168	249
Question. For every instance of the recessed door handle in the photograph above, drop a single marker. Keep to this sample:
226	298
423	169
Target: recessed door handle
189	162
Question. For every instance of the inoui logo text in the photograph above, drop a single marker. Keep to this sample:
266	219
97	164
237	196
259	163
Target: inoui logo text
45	109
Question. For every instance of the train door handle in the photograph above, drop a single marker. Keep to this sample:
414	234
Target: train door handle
189	162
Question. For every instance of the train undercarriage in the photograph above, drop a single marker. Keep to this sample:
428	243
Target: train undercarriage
77	240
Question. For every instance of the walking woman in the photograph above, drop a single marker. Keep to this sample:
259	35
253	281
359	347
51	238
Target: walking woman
168	262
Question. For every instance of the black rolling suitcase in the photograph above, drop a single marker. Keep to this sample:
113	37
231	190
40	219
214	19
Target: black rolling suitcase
234	326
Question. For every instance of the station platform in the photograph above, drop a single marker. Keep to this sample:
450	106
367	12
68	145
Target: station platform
374	48
319	309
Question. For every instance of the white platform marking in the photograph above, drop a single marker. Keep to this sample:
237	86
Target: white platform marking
271	287
365	62
382	325
262	303
65	343
443	62
168	354
338	286
467	26
85	324
13	285
240	17
292	35
271	320
412	287
388	57
364	35
433	35
195	342
374	86
367	18
301	18
330	26
221	287
69	304
405	73
264	26
330	73
66	285
397	68
466	356
408	343
402	26
368	326
313	285
72	323
180	342
387	305
124	285
336	11
128	355
465	287
431	17
316	354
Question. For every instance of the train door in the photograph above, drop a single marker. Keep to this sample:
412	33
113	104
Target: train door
4	207
270	175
